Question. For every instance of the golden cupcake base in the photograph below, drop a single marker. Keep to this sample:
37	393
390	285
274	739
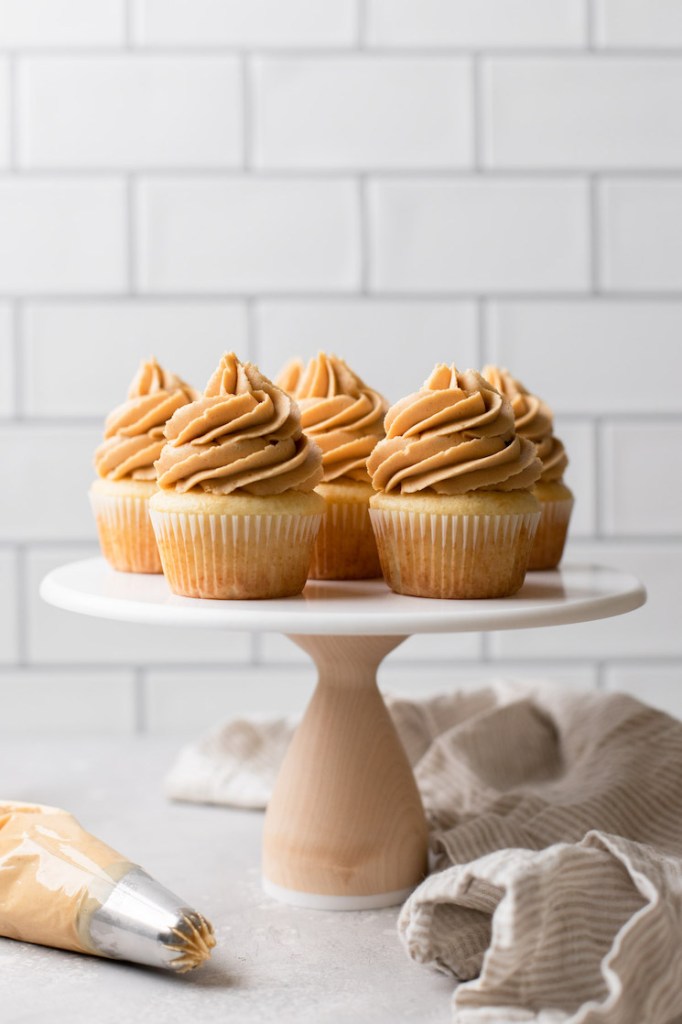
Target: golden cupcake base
240	547
556	502
126	536
345	548
455	555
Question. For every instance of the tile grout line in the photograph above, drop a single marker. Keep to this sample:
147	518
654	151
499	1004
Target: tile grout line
131	232
486	650
594	229
542	663
139	700
340	51
247	109
257	659
483	348
364	247
252	332
406	173
598	464
128	35
380	295
22	610
18	352
361	15
476	112
590	26
13	134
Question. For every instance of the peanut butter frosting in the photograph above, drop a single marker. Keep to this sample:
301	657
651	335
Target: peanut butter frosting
289	376
133	432
533	419
456	434
242	435
342	414
55	878
51	874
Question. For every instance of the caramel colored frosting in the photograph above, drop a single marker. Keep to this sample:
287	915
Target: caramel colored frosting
133	432
533	419
242	435
53	874
289	376
456	434
342	414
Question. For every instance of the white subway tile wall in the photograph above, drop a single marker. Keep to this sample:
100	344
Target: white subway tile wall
400	181
362	112
129	112
582	112
62	235
638	23
641	228
247	234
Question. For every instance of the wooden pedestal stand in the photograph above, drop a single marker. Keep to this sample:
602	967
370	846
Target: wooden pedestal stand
351	834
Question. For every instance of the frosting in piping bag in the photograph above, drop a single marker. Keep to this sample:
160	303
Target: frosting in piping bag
533	419
57	880
342	414
133	432
243	434
456	434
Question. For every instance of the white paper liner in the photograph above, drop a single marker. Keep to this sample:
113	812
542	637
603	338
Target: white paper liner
550	538
434	555
345	547
125	532
224	556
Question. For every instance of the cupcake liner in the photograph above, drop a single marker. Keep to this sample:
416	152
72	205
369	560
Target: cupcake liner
125	532
345	548
550	538
456	556
239	557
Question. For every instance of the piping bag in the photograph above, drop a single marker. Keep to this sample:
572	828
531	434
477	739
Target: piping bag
60	886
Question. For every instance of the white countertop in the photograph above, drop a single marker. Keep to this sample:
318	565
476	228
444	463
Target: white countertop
272	962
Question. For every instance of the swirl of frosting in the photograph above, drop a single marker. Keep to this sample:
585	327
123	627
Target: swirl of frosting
243	434
456	434
133	432
532	419
289	376
342	414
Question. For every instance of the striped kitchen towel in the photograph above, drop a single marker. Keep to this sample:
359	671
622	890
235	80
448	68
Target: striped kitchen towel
556	837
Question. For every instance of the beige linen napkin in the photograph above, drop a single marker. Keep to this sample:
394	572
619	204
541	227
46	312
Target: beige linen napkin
556	831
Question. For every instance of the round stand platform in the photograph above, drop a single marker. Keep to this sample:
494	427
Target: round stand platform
345	828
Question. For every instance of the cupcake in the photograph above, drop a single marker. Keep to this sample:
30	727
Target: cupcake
345	418
124	462
533	420
454	516
236	515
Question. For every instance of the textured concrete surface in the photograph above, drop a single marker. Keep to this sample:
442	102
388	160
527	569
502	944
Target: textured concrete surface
272	963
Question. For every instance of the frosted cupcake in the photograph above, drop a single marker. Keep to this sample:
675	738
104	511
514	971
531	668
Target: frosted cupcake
454	516
533	420
124	462
236	515
345	418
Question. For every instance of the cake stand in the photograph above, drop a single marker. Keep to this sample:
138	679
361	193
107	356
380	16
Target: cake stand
345	828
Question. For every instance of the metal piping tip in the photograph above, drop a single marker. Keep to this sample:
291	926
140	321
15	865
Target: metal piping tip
193	941
142	921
